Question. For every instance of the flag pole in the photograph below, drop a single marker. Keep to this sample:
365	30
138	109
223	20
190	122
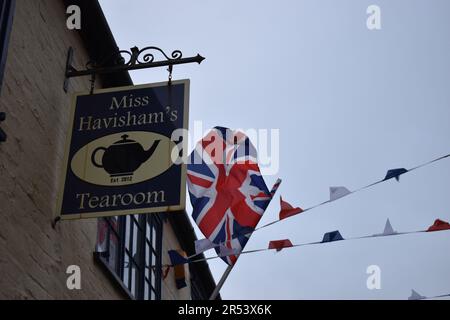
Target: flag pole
221	282
230	268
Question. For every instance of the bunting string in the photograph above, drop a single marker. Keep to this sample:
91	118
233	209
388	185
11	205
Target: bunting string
337	193
395	174
418	296
329	237
229	212
226	251
434	297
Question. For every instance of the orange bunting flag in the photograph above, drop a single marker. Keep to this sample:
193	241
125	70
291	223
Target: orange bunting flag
439	225
179	267
287	210
280	244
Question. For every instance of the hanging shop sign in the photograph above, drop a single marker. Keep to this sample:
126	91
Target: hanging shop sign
120	150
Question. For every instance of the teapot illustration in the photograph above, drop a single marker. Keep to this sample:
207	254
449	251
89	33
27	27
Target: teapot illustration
123	157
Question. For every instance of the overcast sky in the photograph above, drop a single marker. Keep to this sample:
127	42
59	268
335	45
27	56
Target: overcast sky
350	104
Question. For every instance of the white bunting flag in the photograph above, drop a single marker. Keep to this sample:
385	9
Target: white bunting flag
388	230
338	192
225	251
204	245
415	296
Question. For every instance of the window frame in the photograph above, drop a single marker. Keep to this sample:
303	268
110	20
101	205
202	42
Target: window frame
131	249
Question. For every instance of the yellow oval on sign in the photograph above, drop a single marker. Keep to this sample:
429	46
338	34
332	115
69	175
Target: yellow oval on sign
123	158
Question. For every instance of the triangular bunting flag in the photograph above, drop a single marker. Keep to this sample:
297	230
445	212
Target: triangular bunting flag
176	258
204	245
332	236
415	296
395	173
225	251
287	210
180	276
439	225
338	192
388	230
166	273
280	244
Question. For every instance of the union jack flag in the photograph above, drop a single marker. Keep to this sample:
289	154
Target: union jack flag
227	191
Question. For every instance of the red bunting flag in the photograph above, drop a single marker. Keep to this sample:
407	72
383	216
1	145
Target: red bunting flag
280	244
439	225
287	210
166	272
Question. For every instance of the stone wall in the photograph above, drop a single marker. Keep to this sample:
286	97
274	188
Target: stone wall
33	255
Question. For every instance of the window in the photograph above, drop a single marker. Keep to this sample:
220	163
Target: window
6	18
130	247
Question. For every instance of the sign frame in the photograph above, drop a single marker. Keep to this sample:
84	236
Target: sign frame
66	161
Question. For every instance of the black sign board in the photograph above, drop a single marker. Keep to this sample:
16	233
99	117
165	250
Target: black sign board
121	152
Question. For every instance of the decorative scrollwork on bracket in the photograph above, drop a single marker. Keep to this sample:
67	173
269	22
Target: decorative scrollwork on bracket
150	57
127	60
133	57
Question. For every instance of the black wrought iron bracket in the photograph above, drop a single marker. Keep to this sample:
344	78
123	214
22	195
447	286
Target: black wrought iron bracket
137	59
3	135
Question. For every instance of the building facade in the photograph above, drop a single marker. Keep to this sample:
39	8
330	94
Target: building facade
119	257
